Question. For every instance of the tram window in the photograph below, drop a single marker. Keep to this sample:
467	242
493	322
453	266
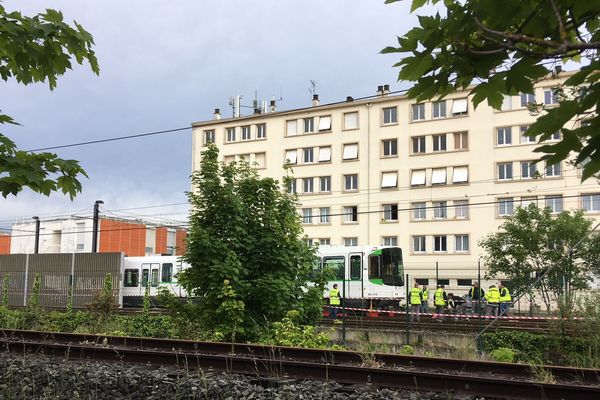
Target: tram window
337	264
167	272
132	278
422	281
355	268
145	276
315	271
154	277
374	267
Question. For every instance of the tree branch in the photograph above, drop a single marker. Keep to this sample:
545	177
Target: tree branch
561	26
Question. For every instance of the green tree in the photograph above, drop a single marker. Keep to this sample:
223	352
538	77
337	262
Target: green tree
249	264
533	241
39	49
503	48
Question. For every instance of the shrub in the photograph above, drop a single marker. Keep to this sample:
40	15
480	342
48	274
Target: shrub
407	350
288	332
503	354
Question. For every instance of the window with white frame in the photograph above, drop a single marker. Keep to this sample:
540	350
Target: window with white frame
506	103
324	215
461	243
460	107
551	96
324	154
81	235
309	242
461	141
390	115
438	176
351	214
418	112
390	212
527	200
230	134
209	136
389	179
555	136
460	174
418	144
528	169
440	243
244	157
440	209
351	182
350	151
527	99
417	177
307	214
390	240
350	241
351	120
506	206
439	142
291	156
390	147
505	171
461	208
292	186
504	136
308	185
308	155
260	160
419	244
325	241
590	202
291	127
439	109
246	132
553	170
325	123
309	125
150	240
261	131
419	210
325	184
554	203
524	138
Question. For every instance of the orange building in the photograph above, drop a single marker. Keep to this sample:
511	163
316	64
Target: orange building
4	243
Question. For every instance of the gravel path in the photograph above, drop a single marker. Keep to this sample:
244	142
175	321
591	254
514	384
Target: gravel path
41	377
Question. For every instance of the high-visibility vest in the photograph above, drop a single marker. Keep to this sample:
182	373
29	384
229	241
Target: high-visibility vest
439	297
493	296
334	297
473	293
415	296
425	295
505	296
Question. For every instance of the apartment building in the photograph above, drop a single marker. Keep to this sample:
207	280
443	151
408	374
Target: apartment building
70	235
433	178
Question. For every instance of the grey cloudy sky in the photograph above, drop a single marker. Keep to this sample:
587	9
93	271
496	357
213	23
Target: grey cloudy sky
165	64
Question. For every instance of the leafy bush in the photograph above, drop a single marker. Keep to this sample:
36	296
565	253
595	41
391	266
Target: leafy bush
103	302
288	332
407	350
503	354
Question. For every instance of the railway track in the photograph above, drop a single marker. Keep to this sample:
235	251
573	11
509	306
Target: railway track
499	380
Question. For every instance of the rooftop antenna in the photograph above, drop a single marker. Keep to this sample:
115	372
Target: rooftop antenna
313	88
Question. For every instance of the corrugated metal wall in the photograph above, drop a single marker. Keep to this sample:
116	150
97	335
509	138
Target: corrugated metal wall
85	271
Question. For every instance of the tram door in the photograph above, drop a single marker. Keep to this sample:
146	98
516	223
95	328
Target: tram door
145	277
354	287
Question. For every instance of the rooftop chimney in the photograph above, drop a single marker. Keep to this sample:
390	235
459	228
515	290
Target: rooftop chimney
349	99
272	106
557	69
386	89
380	90
217	113
315	100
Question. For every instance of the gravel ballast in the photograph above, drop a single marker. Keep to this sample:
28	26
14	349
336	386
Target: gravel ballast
41	377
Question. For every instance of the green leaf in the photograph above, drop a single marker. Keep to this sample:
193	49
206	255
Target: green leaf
417	4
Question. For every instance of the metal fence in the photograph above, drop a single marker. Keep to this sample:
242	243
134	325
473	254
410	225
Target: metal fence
83	272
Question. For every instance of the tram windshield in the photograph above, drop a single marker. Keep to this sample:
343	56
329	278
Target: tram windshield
386	266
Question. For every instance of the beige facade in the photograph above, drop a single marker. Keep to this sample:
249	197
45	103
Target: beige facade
432	178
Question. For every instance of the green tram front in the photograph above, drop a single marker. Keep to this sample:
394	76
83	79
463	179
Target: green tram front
366	275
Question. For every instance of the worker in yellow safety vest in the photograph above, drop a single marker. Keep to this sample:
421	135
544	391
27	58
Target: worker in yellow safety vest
425	299
505	299
493	301
416	297
334	300
439	300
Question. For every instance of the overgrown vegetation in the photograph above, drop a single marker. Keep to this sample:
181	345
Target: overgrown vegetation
249	264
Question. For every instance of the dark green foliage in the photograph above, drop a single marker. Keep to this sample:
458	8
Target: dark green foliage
183	315
505	50
5	289
288	332
104	303
534	241
249	263
503	354
39	49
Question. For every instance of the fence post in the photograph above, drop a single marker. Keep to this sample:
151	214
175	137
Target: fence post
407	312
26	279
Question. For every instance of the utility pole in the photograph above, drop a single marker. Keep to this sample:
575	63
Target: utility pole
36	249
95	227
